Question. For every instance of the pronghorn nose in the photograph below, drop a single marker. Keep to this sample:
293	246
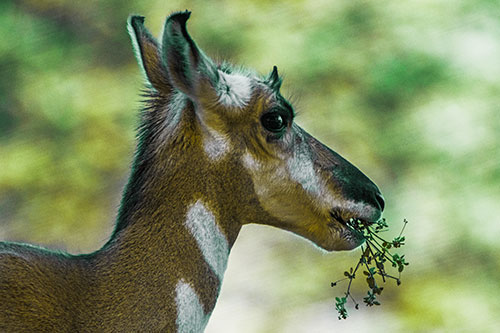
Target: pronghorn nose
380	200
355	186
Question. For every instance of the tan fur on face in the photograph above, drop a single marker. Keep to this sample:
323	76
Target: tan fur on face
295	209
302	209
294	206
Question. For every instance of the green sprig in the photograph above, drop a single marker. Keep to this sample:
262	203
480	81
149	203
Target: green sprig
374	254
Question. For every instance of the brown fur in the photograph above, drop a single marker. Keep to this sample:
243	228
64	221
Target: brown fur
129	284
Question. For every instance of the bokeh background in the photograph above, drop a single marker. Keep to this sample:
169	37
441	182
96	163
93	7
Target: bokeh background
409	91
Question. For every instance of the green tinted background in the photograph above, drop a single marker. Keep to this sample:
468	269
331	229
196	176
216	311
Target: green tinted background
409	91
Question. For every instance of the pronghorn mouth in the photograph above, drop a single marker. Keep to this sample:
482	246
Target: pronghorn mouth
344	235
337	216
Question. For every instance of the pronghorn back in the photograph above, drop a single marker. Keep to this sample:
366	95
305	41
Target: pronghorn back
217	149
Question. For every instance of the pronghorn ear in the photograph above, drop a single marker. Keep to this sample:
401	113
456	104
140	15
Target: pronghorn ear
188	67
274	80
147	53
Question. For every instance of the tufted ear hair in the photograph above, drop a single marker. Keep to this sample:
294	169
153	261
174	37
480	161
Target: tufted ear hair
189	69
148	56
273	80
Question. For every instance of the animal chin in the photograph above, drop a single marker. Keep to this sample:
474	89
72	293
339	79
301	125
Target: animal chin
343	237
344	241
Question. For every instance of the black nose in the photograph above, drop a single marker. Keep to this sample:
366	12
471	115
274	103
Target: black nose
380	200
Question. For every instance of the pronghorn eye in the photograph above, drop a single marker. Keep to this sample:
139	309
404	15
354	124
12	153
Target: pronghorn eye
273	122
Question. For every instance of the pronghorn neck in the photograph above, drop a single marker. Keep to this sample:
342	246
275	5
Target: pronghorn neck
177	223
173	171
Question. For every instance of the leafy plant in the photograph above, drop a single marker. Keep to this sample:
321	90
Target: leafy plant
375	254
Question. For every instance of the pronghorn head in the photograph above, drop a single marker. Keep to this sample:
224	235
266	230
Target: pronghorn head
241	119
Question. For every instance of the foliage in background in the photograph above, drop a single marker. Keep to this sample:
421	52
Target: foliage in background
408	91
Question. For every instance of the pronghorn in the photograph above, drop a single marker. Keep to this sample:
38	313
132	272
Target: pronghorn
217	149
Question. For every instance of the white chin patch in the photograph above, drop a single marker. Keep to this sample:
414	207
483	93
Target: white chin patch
235	90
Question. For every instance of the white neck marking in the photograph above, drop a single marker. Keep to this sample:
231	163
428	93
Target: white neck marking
190	314
211	241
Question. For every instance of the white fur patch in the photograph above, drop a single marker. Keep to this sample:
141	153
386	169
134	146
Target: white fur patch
301	169
211	241
190	314
235	89
215	144
250	163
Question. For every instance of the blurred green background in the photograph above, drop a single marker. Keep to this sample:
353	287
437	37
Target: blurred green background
409	91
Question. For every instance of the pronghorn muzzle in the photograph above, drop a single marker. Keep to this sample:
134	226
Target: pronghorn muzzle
357	196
